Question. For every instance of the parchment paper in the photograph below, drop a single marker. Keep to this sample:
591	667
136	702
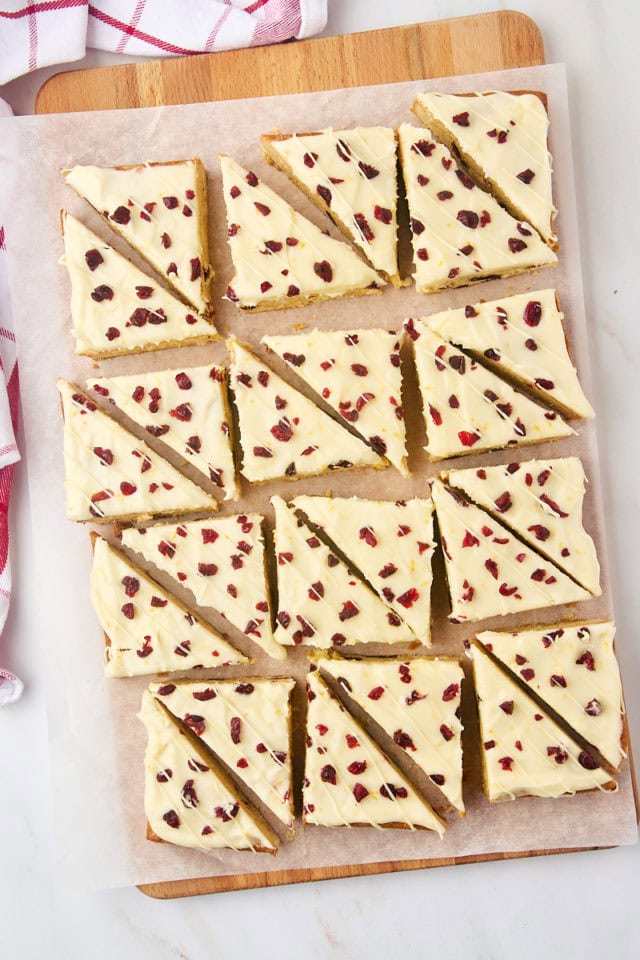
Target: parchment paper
97	744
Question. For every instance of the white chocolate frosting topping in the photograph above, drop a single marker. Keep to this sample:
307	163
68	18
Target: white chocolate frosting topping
523	337
147	629
160	209
282	433
185	800
321	602
489	571
524	752
352	175
573	669
187	409
417	703
348	779
390	543
467	408
358	373
115	307
246	724
222	562
541	500
278	254
111	474
460	233
505	135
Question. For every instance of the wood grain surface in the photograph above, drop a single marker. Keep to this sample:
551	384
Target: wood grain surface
491	41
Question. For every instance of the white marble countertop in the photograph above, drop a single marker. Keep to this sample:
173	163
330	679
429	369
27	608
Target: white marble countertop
579	905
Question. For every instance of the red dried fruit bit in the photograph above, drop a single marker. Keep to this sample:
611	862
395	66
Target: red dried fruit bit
424	147
352	741
404	740
468	438
127	488
328	774
121	215
367	170
104	455
143	292
465	180
283	619
364	227
309	160
527	674
182	412
158	602
195	722
403	530
376	693
349	610
446	732
369	537
593	708
235	726
262	452
316	591
203	695
587	660
444	195
196	268
557	680
516	245
446	162
295	359
93	258
103	292
166	549
164	775
506	591
382	214
492	567
506	762
324	193
313	542
451	692
131	585
387	571
323	270
207	569
587	761
467	250
503	502
357	767
171	818
408	598
553	505
462	119
282	431
359	369
170	202
540	532
526	175
112	333
128	611
189	795
360	792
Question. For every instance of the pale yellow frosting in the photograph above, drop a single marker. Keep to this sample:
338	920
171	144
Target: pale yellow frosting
524	752
541	500
416	702
116	308
282	433
246	724
390	543
221	561
321	602
348	779
148	631
185	801
489	571
505	134
358	374
277	253
157	209
522	336
573	669
460	233
353	174
186	408
467	408
111	474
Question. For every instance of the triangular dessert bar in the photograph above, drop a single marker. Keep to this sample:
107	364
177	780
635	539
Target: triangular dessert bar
161	210
351	175
284	434
146	629
348	779
390	543
280	258
417	704
358	374
111	475
321	602
460	233
489	571
188	409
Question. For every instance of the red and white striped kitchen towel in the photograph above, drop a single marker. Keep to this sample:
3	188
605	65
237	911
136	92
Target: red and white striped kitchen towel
34	35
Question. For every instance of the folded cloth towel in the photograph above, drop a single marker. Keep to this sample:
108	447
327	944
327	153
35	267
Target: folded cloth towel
10	685
34	35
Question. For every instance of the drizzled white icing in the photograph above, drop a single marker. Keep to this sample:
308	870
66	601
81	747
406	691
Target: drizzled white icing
524	752
282	433
573	668
187	409
541	500
159	208
460	233
348	779
221	561
246	724
279	256
489	571
417	703
521	336
116	308
358	373
390	543
505	135
111	474
185	800
352	174
467	408
148	630
321	602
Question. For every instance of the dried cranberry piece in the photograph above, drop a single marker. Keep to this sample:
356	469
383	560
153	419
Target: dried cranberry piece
404	740
526	175
507	707
349	610
468	438
262	452
235	726
171	818
587	761
324	193
103	292
328	774
516	245
93	258
447	732
121	215
382	214
282	431
360	792
503	502
367	170
444	195
376	693
323	270
462	119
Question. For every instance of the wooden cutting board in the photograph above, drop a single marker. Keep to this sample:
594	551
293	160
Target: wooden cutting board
491	41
